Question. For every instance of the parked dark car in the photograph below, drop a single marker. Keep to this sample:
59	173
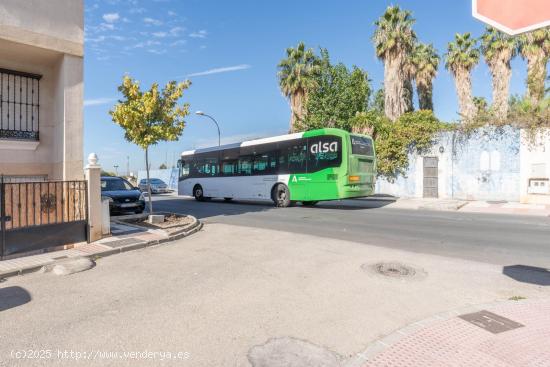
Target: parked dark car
123	197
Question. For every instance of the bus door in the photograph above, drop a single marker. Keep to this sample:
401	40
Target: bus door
324	159
296	153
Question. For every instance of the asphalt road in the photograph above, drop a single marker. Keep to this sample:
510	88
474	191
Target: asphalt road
496	239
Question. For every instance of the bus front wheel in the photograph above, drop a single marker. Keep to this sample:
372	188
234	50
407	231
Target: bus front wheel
198	193
281	196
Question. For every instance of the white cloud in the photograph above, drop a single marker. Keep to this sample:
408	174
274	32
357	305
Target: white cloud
200	34
152	21
225	69
98	101
174	31
159	34
111	17
137	10
172	13
178	43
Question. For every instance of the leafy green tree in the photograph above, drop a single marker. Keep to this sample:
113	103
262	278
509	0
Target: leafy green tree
394	39
163	166
426	61
394	141
534	46
297	74
151	116
462	56
498	50
339	95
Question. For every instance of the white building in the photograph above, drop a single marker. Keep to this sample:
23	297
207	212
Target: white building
41	89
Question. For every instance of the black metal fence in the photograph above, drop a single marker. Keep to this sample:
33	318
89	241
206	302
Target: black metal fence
19	105
37	215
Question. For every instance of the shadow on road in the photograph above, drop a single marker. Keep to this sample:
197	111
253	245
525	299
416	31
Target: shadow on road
11	297
528	274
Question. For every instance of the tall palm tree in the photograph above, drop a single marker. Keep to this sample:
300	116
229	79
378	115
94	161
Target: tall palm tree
296	78
498	49
426	61
394	39
462	56
535	47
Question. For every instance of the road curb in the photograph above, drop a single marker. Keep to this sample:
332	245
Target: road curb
387	341
193	228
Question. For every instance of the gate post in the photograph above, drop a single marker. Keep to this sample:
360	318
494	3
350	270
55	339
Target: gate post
93	177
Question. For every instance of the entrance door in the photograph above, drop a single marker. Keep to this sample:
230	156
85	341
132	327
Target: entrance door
430	177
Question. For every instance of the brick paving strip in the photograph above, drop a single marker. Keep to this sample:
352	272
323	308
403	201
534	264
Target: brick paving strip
126	237
504	334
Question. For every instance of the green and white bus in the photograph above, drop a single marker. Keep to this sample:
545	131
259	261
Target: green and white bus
325	164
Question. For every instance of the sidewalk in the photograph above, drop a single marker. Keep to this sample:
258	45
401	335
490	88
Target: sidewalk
124	238
509	334
466	206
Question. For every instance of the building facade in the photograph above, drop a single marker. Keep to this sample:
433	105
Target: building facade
492	164
41	89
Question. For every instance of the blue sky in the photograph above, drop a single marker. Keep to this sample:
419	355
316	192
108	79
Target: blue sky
230	50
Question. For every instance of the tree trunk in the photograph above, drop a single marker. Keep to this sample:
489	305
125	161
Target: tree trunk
297	113
536	74
466	105
395	103
424	89
148	181
501	73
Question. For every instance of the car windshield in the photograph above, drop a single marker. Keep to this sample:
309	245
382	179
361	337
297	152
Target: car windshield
115	185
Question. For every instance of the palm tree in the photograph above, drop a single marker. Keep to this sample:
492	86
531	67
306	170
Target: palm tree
535	47
394	40
426	61
462	56
296	78
498	49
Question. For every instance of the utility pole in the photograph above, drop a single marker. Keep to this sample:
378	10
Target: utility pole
128	165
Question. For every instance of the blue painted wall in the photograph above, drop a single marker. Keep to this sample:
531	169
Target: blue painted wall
482	165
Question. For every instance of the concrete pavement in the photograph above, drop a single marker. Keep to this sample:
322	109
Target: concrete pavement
228	289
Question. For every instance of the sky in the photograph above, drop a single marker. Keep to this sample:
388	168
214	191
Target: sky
230	51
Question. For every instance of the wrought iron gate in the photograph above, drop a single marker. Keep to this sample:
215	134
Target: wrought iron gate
39	215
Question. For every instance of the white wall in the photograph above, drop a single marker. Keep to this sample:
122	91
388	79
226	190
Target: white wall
535	163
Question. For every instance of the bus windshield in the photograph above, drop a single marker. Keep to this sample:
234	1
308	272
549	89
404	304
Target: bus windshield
361	145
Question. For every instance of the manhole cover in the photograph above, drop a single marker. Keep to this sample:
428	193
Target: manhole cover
393	270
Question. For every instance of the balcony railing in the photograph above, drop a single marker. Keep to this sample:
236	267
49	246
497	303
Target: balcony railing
19	105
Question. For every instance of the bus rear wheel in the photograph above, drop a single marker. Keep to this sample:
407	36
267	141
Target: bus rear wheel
281	196
198	193
309	203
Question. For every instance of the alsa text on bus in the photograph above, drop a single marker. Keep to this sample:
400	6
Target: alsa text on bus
324	147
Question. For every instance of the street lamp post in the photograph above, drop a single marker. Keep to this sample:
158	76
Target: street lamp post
200	113
116	169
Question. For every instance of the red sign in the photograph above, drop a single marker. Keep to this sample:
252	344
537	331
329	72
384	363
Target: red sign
513	16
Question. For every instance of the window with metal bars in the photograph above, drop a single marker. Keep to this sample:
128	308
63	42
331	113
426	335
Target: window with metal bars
19	105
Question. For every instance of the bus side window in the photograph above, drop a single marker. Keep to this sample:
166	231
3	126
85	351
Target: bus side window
265	164
297	157
245	165
229	168
210	167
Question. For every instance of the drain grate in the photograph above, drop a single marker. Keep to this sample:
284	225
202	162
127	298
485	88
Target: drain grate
393	270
